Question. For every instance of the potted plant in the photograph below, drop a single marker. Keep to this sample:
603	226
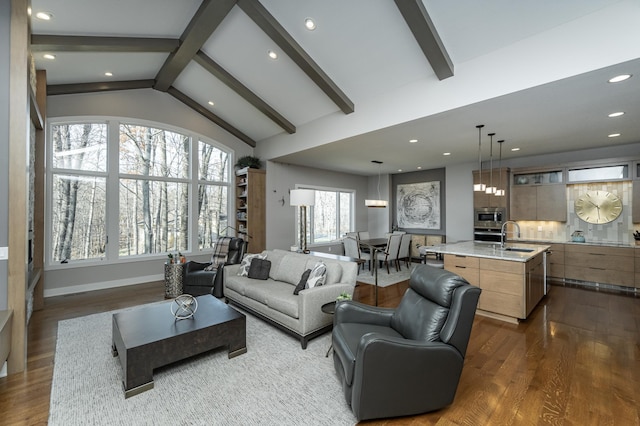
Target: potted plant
248	161
343	296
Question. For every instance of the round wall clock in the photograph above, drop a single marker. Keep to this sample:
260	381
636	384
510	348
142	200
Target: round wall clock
598	207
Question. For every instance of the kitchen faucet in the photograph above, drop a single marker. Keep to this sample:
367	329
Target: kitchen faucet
502	231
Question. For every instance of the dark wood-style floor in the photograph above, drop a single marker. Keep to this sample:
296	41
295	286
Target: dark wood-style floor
575	361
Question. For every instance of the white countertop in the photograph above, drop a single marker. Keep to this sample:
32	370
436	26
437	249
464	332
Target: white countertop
489	251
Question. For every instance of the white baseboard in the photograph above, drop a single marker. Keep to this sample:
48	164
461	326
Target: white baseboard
3	372
61	291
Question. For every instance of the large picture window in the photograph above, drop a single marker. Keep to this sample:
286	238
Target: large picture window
161	190
331	216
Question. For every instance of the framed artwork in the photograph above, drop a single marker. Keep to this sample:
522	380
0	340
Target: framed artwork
418	205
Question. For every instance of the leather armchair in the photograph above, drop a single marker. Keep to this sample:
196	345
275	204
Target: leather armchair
408	360
196	281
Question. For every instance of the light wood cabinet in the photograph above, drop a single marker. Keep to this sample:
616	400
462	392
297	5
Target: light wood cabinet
556	261
251	208
637	266
539	202
466	266
482	199
600	264
510	290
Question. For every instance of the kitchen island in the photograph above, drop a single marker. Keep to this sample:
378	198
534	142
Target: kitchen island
512	279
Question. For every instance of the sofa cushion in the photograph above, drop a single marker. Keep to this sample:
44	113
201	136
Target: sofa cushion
236	283
318	275
275	256
259	269
280	298
246	263
290	269
303	282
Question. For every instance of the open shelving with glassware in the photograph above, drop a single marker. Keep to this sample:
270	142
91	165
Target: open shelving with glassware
251	208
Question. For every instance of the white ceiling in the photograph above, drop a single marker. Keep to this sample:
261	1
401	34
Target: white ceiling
533	72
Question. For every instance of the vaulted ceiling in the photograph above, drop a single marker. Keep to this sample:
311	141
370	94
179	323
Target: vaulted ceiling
317	103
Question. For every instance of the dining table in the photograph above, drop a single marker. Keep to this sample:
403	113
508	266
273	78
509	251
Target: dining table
375	245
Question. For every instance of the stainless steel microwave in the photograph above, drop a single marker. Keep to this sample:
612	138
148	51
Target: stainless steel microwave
489	217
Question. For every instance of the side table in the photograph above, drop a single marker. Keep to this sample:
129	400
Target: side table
329	308
173	280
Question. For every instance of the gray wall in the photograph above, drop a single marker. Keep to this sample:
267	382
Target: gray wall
5	30
281	178
417	177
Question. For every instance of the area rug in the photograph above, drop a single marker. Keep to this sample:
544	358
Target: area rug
275	383
385	279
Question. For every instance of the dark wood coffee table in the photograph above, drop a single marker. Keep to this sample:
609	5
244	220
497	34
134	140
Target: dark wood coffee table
149	337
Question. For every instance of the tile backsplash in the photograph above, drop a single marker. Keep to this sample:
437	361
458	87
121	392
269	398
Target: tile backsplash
619	231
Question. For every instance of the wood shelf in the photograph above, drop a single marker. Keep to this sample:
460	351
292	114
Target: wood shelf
251	208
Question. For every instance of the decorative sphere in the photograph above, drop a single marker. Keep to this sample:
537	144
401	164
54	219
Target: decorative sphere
184	306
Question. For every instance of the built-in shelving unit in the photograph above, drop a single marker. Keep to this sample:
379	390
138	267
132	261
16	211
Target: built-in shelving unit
251	208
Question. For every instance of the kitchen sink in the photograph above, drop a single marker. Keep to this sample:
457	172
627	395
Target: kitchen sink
520	249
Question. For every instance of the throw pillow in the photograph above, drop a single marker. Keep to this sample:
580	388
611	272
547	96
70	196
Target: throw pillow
259	269
303	282
246	263
317	276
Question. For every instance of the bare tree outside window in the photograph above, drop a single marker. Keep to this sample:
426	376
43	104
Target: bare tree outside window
154	208
79	191
213	175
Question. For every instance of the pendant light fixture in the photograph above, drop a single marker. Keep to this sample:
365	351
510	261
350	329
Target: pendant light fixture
379	203
479	186
500	192
490	189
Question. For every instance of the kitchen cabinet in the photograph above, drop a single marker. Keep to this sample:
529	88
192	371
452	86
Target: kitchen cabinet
466	266
556	261
538	195
482	199
512	283
251	208
637	266
600	264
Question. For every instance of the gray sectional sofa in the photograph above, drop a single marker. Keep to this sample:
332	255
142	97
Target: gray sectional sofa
273	299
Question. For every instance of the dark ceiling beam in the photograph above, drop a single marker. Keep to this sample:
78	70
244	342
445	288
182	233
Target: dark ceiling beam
418	20
282	38
202	25
221	74
209	115
57	43
107	86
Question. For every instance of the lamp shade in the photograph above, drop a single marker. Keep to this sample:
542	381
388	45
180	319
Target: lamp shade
375	203
302	197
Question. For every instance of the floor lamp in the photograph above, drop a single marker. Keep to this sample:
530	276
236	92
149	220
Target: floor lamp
303	198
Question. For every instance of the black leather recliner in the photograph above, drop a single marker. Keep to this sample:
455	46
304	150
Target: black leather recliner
408	360
196	281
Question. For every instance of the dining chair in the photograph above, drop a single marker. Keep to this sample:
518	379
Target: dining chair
352	249
390	254
364	235
404	252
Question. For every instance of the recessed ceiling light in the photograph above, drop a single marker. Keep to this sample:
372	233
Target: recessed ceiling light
619	78
44	16
446	153
413	140
515	149
309	24
211	103
108	74
419	167
399	170
273	55
616	114
49	56
614	135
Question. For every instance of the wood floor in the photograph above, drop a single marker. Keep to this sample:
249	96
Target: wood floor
575	361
